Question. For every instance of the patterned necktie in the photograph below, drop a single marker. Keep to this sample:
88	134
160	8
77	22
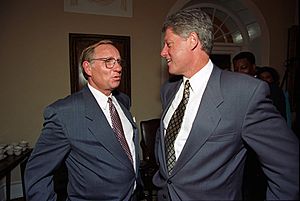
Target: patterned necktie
174	127
118	129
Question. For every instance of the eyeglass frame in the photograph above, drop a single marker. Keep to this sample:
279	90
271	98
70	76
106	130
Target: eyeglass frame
108	59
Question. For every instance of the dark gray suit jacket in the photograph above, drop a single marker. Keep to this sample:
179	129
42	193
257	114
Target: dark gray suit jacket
234	111
76	131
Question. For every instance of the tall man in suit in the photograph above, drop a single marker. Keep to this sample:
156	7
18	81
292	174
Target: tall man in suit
81	132
201	155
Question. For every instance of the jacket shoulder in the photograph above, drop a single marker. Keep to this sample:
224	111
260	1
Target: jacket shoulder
239	82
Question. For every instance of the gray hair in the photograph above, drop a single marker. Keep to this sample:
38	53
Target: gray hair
191	20
88	53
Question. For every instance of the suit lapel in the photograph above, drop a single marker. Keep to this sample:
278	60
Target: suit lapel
100	128
206	120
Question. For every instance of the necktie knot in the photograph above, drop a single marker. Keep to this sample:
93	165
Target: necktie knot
186	91
110	103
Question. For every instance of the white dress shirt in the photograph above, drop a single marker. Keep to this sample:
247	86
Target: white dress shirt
198	84
127	127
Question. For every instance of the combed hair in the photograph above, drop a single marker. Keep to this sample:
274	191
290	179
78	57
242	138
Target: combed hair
191	20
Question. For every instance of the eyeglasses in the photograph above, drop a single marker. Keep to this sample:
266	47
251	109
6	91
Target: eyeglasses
110	62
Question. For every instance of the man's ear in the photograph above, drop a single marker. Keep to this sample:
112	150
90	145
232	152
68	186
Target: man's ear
194	40
87	67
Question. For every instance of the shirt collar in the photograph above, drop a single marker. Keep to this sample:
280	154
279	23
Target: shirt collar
100	97
200	79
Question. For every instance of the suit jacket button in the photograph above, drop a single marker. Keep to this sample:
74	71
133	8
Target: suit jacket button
169	182
164	196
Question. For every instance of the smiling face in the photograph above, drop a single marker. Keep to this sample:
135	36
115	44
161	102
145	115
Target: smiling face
100	77
177	53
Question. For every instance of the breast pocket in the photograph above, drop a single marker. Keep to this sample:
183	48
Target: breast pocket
222	136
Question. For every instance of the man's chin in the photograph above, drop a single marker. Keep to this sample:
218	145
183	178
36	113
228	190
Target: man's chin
116	84
173	72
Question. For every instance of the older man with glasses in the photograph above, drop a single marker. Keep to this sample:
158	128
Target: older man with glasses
93	133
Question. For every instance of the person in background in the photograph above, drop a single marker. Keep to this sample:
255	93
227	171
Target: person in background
268	74
210	116
244	62
271	76
93	133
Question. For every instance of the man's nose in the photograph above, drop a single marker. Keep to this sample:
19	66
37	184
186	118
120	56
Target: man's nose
163	52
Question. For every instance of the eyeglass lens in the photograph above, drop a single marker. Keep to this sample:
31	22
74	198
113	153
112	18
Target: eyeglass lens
110	62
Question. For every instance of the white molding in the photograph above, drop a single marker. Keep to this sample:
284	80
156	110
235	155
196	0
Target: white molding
122	8
229	48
